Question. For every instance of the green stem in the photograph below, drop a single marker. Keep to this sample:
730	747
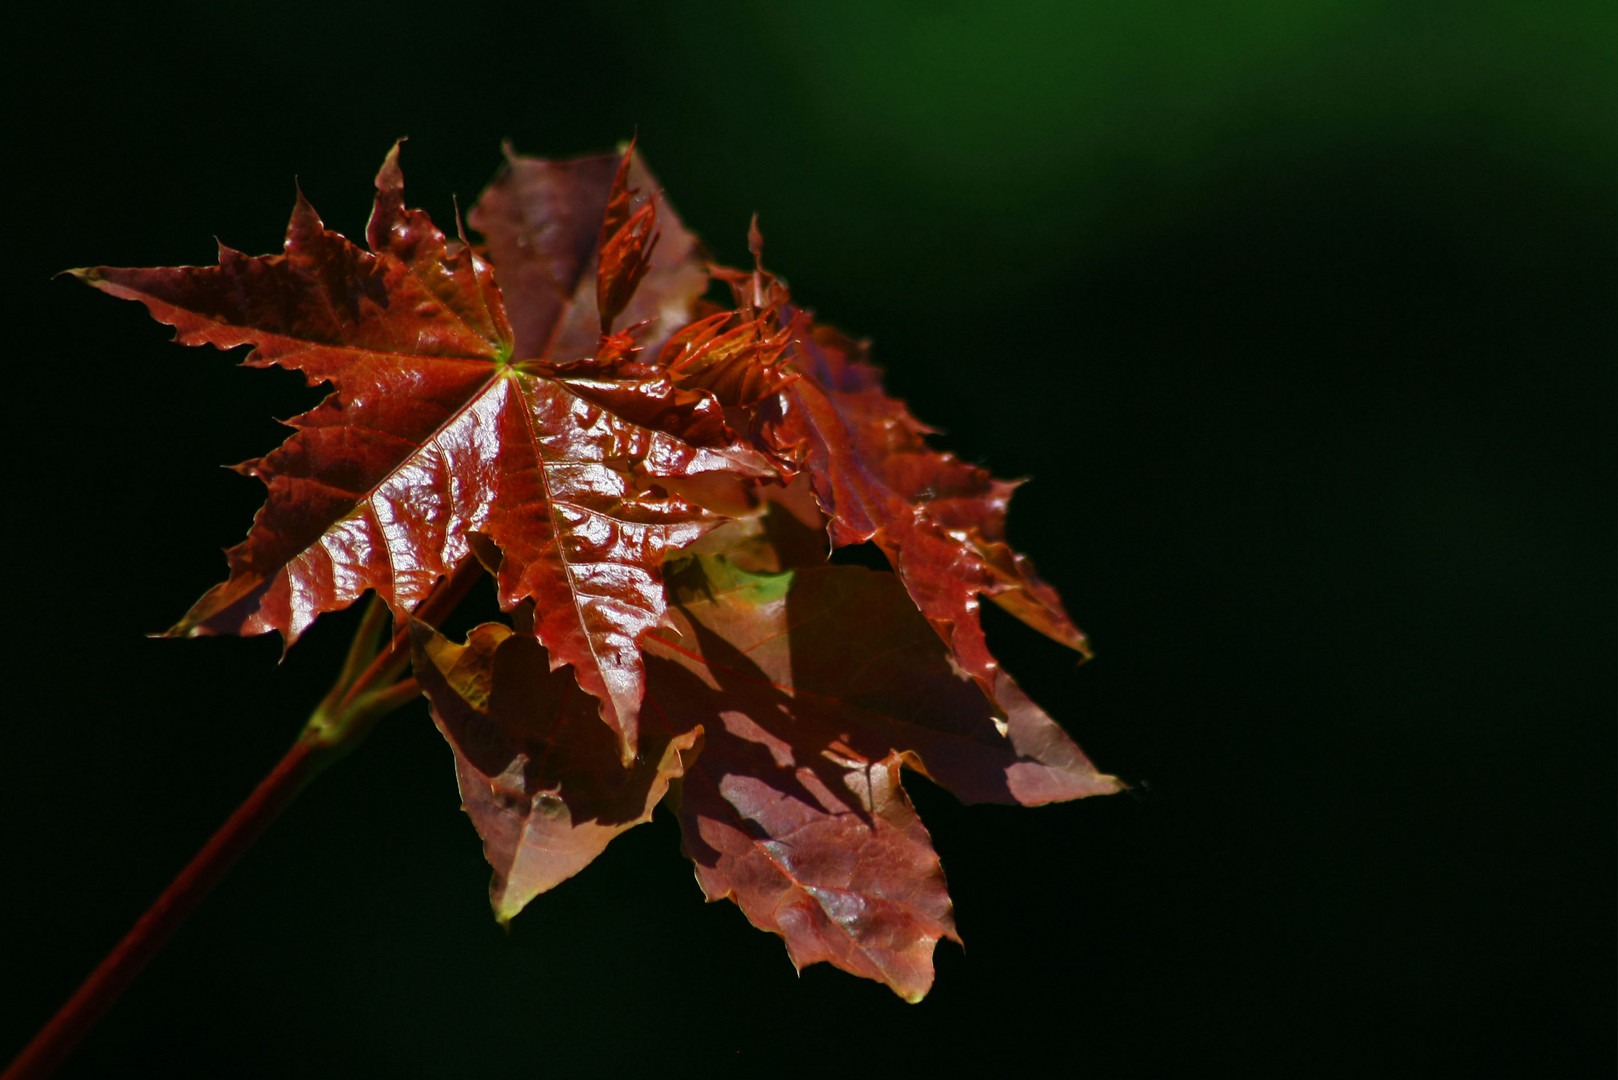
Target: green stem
367	689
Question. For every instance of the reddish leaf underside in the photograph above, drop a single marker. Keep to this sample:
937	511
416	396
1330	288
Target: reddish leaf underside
809	689
539	773
438	427
844	871
844	652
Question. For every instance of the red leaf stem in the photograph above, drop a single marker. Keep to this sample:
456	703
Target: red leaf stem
340	722
107	983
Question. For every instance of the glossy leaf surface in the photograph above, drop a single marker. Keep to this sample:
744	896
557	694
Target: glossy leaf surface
438	428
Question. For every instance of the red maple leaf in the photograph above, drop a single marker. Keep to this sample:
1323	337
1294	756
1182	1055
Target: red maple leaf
940	521
539	773
442	425
809	690
775	699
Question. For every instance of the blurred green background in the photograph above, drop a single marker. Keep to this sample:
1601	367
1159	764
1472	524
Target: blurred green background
1300	315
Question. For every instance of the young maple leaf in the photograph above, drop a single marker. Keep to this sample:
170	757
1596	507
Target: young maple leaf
539	773
545	223
782	698
809	690
444	425
940	521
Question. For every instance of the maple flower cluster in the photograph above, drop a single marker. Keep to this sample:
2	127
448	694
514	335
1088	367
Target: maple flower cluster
654	481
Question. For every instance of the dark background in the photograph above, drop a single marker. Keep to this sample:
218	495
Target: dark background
1301	316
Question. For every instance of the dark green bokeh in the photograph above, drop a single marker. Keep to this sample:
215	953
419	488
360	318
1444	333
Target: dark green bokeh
1301	315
